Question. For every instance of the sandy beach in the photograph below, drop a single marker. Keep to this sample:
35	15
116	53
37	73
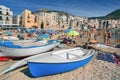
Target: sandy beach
94	70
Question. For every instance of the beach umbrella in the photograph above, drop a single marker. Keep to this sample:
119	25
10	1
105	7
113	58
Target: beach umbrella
44	36
8	32
67	30
72	33
50	31
33	31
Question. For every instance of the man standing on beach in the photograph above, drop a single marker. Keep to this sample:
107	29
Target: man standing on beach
107	37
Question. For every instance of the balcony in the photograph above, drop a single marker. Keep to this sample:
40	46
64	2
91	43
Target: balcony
7	13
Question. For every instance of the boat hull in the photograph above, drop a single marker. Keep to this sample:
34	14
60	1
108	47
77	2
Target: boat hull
23	52
45	69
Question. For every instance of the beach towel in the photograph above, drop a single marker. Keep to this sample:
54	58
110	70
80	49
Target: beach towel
105	57
103	46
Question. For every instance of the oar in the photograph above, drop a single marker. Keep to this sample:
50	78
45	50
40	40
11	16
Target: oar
14	66
20	63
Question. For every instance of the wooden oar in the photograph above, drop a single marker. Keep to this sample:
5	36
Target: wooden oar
20	63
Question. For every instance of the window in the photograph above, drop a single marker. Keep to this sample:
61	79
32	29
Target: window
0	12
28	15
35	19
0	17
20	17
7	13
7	18
0	22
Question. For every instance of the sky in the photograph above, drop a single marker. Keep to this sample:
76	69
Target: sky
89	8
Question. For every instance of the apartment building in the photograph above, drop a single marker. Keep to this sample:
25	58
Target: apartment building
6	16
50	19
27	19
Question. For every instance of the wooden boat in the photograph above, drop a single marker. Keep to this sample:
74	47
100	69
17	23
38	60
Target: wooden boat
12	50
59	61
54	62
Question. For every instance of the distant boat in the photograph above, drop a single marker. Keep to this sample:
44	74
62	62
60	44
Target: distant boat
59	61
12	50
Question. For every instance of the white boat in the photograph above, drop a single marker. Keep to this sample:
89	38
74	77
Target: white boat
54	62
13	50
10	38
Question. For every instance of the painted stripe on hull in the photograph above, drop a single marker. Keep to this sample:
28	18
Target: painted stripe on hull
44	69
4	58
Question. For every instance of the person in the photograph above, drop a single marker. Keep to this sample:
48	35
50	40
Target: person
117	57
92	38
80	35
73	38
77	39
107	37
20	36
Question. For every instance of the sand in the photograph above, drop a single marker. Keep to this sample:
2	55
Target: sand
94	70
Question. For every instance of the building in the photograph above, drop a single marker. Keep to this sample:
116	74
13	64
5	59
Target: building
94	23
49	19
58	20
27	19
80	22
6	16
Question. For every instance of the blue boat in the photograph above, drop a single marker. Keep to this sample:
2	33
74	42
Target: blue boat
59	61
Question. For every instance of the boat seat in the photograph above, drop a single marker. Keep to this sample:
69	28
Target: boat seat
71	56
74	54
